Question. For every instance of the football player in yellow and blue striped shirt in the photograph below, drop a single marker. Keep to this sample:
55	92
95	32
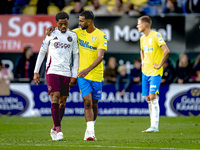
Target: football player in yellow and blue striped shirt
92	45
154	52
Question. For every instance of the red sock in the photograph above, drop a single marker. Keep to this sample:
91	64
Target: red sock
55	111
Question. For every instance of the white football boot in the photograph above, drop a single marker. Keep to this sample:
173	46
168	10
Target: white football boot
53	135
59	136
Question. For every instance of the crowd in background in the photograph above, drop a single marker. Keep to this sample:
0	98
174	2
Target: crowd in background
183	72
100	7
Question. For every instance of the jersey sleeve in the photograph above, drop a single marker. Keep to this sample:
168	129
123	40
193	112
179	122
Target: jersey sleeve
42	53
141	46
159	40
102	44
75	44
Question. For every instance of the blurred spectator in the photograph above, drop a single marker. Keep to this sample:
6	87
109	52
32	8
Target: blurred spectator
110	73
131	11
19	6
5	74
136	73
122	78
171	7
77	7
183	69
196	70
192	6
59	3
119	8
6	6
42	6
83	2
98	9
168	73
25	64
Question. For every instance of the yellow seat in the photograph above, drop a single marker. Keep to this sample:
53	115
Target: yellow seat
86	7
30	10
111	2
138	3
33	2
102	2
68	9
109	8
52	9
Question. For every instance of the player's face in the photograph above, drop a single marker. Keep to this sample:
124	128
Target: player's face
62	25
140	26
83	23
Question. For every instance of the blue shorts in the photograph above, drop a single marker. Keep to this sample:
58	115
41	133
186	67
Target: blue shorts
87	86
150	84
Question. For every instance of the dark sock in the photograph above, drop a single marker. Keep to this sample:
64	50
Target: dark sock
62	112
55	111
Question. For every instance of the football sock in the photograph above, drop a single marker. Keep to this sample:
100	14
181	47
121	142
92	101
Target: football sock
150	107
55	111
62	112
90	125
155	113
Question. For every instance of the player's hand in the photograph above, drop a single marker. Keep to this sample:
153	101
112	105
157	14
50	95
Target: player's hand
156	66
73	82
83	73
36	78
49	30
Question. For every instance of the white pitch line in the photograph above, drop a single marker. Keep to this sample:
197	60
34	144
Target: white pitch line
97	146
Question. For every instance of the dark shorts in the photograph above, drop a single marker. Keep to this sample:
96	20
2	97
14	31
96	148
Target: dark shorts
58	83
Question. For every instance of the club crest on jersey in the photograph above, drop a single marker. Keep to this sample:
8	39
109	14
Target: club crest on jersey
55	38
94	39
69	38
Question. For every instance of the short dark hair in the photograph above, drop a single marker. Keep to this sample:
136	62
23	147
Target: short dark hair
26	48
62	15
87	14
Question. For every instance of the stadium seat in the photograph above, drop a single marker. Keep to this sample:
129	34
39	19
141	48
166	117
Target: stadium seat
52	9
102	2
86	7
138	2
154	2
109	8
30	10
68	9
33	2
111	2
150	10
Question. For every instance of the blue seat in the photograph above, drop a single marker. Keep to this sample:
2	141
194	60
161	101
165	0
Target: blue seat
151	10
154	2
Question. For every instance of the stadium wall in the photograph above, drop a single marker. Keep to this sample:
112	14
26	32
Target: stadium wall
30	100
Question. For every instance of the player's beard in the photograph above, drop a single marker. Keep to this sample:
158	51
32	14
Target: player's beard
84	28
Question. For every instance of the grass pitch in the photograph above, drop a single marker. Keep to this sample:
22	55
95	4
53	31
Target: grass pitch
179	133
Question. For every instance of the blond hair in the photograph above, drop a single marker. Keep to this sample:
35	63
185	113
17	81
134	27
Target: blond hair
121	68
146	19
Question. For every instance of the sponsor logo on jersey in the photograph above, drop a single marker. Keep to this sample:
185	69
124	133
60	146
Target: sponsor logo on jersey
14	104
69	38
105	43
152	86
160	40
158	35
105	37
147	49
61	45
86	44
55	38
186	102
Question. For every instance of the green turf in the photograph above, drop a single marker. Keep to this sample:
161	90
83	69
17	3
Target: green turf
112	133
